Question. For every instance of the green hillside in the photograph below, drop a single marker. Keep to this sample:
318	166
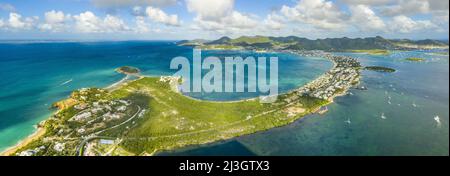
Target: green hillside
328	44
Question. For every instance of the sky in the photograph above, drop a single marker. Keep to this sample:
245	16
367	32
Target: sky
211	19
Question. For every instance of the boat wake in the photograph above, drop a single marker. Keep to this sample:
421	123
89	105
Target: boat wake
67	82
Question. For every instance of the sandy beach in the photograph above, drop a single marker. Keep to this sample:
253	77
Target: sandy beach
38	133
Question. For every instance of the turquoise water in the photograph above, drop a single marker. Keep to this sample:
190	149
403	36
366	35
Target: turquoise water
34	75
418	92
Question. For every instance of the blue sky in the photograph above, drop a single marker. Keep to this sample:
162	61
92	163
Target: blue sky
190	19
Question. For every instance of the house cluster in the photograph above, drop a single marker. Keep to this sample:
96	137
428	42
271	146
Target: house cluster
31	152
310	53
59	146
169	79
341	77
96	113
88	94
108	110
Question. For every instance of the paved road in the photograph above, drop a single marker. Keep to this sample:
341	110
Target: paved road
94	135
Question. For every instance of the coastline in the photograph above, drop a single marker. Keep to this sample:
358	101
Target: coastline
40	131
313	111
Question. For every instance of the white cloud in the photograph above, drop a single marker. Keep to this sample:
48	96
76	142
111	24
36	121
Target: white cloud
238	20
16	21
138	11
274	21
131	3
53	17
219	16
114	24
210	9
157	15
141	25
323	15
438	5
441	18
318	13
367	2
397	13
55	21
411	7
87	22
7	7
234	23
404	24
407	7
212	17
365	19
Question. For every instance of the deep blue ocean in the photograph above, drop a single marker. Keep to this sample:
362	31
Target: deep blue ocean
33	75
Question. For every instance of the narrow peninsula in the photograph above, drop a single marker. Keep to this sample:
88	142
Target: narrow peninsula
147	115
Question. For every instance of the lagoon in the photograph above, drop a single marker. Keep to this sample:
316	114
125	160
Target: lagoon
395	116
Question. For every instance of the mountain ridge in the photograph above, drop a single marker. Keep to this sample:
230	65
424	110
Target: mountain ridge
327	44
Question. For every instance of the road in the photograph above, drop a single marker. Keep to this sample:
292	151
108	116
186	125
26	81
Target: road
94	135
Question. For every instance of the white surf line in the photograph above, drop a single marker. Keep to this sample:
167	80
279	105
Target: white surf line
119	82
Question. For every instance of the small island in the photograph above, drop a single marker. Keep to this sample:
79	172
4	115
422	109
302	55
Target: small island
380	69
373	52
415	59
128	70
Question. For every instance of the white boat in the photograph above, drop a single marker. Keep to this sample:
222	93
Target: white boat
348	121
438	120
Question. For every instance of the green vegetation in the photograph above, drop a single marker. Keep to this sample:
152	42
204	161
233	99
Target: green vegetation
415	59
251	40
165	120
175	120
420	44
220	47
128	70
372	45
380	69
372	52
